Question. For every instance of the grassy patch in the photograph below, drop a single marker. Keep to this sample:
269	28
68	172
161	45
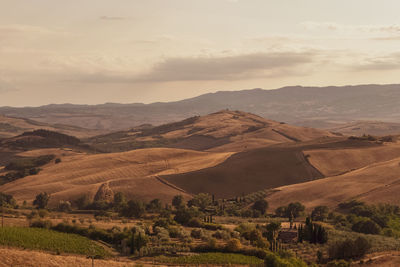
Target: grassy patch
211	258
43	239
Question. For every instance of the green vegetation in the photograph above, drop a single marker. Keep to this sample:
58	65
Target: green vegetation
41	200
293	210
282	260
44	239
22	167
7	201
211	258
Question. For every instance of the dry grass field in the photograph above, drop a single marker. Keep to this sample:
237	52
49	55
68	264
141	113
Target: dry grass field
133	173
378	182
15	126
221	131
337	161
26	258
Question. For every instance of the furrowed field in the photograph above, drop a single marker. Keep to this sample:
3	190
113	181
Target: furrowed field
43	239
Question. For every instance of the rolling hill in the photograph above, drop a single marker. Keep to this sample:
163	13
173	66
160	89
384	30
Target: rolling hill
135	173
376	183
10	127
359	128
221	131
303	106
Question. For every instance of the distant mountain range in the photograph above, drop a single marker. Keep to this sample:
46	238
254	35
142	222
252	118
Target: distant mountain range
321	107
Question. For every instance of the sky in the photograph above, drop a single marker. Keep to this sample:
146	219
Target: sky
129	51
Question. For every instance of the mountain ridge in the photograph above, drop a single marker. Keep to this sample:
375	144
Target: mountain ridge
296	105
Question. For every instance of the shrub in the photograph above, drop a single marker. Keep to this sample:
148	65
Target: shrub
366	227
64	206
349	249
41	224
233	245
260	205
178	201
197	233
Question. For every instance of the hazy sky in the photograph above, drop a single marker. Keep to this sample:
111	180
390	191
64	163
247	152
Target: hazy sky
96	51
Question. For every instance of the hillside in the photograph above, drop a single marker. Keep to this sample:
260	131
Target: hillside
38	139
10	127
359	128
311	106
134	173
262	168
376	183
221	131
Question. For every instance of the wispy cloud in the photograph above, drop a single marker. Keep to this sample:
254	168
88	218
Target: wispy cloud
237	67
380	63
112	18
332	26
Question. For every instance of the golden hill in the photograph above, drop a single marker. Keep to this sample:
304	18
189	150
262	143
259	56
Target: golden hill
375	183
10	127
221	131
134	173
359	128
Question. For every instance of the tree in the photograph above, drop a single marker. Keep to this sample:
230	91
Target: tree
134	208
119	200
281	211
260	205
41	200
177	201
320	213
82	202
202	201
294	209
7	200
155	205
64	206
185	215
272	230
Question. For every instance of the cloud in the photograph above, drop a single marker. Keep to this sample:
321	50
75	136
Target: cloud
380	63
112	18
225	68
23	29
239	67
332	26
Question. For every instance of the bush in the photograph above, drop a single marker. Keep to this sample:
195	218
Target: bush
349	249
233	245
41	224
366	227
134	209
64	206
197	233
